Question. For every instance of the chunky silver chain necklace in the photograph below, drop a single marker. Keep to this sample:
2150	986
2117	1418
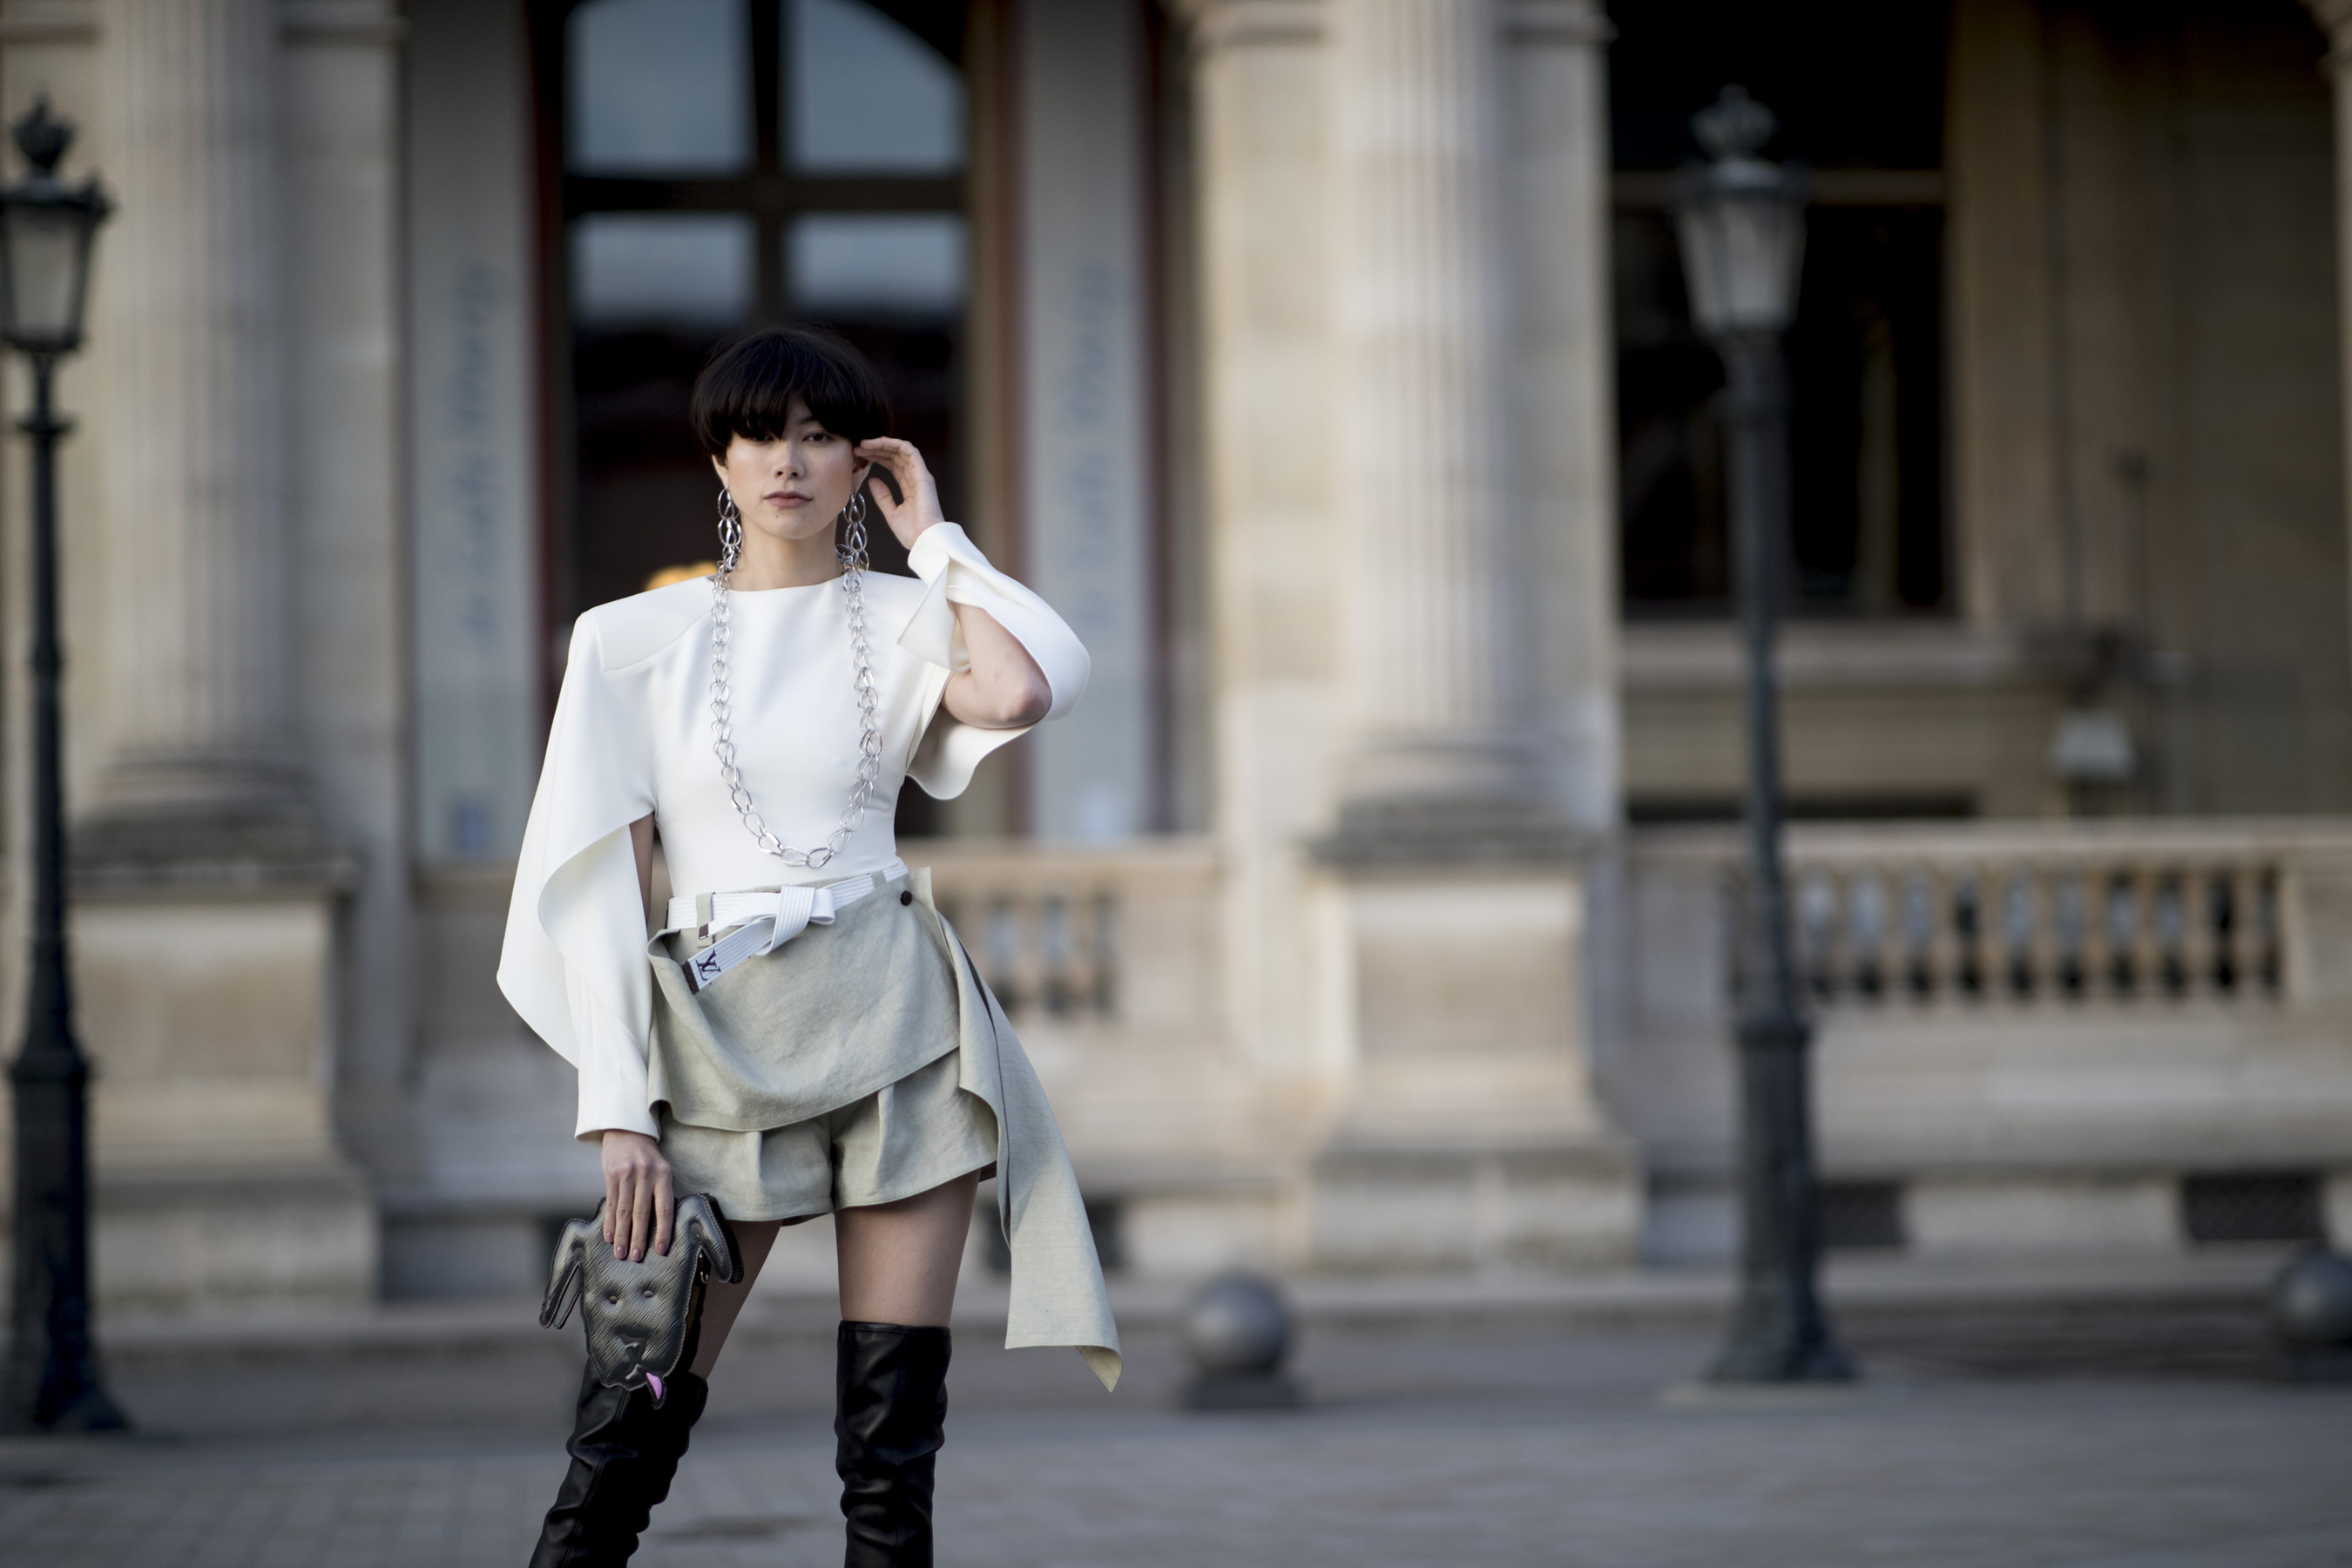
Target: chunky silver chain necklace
852	550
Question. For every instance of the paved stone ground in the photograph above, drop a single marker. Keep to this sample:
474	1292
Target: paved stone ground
2021	1445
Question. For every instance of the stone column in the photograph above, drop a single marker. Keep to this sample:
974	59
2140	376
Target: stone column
1436	615
1456	902
1564	340
189	331
207	902
1261	274
1405	901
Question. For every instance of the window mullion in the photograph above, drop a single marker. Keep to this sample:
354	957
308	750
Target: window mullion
768	74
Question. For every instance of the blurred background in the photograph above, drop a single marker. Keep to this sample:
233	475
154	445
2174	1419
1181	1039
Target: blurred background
1329	366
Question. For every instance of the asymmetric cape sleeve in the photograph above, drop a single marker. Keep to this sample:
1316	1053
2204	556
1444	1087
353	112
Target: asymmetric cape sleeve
572	963
958	573
573	960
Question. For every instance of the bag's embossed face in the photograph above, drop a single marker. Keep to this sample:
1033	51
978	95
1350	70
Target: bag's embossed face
640	1318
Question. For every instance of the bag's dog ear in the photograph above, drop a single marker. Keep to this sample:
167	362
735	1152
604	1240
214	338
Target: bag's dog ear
700	1221
564	1283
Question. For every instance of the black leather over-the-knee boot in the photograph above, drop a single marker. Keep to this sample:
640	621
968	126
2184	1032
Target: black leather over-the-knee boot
892	1385
625	1451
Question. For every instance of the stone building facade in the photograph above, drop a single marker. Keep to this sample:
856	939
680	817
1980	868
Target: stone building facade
1326	362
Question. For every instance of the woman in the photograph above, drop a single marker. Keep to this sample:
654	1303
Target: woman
802	1035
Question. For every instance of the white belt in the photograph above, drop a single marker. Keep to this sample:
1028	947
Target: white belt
765	920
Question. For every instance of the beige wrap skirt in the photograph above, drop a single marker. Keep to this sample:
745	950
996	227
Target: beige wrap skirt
864	1061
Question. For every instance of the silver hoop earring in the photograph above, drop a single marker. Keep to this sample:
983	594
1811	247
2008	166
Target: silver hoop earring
730	533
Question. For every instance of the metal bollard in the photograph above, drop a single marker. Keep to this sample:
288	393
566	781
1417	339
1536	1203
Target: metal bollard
2311	1313
1238	1331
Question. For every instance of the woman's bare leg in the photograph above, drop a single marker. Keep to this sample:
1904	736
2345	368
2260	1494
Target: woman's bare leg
720	1303
899	1261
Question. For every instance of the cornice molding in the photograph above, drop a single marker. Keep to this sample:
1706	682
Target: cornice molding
48	22
32	22
340	22
1564	21
1215	24
2336	15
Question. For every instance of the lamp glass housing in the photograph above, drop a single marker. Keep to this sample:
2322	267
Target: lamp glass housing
1741	222
45	254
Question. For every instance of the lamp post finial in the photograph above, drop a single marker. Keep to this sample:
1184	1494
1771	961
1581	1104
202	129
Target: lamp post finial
1735	125
43	138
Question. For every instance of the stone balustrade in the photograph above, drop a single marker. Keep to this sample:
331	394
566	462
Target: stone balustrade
2031	917
2029	1035
2001	917
2042	915
1047	941
1103	938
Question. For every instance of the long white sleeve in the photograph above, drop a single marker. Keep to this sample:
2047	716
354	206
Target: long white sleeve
613	1077
574	961
956	572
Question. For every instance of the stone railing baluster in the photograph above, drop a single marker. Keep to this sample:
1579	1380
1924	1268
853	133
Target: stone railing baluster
1942	887
2257	944
1849	963
1005	959
1056	954
1977	913
1809	930
2244	933
2199	950
2147	934
2043	942
1102	952
1872	917
2094	927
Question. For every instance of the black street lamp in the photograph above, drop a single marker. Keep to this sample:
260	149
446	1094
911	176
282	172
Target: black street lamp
1742	225
52	1381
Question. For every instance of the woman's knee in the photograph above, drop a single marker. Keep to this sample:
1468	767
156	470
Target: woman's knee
722	1303
900	1260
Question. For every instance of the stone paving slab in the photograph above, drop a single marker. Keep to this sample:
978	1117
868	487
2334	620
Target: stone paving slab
1418	1449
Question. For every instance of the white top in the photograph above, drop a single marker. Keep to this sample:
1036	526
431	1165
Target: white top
631	735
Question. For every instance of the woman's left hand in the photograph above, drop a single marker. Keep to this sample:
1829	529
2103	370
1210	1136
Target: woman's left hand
917	507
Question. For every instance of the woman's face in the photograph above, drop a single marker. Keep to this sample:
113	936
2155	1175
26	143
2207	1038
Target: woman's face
793	487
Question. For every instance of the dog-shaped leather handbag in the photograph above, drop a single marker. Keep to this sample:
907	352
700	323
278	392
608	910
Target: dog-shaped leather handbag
642	1319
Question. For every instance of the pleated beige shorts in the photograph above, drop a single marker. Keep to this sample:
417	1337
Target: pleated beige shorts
903	1139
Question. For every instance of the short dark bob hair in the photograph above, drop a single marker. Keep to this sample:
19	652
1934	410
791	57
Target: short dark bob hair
747	386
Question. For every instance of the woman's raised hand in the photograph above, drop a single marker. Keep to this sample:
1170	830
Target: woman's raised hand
918	506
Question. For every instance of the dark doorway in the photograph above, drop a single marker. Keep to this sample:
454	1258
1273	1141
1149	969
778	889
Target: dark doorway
1858	90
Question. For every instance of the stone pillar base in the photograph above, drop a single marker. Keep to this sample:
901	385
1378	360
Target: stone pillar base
205	954
1468	1132
2051	1214
197	1240
1550	1204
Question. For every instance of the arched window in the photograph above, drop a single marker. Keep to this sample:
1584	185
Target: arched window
725	163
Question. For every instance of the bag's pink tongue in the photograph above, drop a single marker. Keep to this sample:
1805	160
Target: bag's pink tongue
658	1386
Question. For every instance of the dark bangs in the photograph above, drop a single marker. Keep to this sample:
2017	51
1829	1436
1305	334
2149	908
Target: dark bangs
751	381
